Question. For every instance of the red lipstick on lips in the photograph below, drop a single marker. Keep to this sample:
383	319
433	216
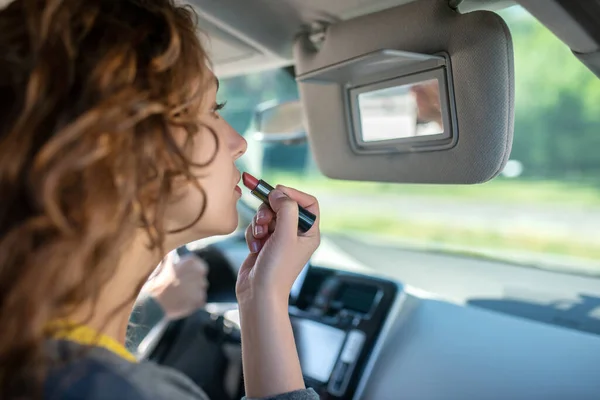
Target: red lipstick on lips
261	190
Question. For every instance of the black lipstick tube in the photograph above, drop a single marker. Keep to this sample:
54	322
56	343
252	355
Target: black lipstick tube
306	219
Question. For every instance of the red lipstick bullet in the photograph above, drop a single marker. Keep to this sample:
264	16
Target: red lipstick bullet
249	181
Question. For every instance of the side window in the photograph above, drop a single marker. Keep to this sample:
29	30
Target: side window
557	111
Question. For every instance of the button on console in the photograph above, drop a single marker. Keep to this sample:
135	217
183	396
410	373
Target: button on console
355	340
353	346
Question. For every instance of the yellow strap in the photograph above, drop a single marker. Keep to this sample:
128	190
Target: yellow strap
87	336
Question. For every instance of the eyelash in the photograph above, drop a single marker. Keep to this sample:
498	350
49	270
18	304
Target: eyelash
219	106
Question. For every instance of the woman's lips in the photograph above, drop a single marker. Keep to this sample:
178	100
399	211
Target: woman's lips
238	189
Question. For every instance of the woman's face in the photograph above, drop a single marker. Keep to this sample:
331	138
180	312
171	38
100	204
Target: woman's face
219	179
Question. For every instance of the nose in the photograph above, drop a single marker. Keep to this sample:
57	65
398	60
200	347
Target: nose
239	145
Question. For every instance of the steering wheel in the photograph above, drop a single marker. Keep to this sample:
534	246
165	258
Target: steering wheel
196	345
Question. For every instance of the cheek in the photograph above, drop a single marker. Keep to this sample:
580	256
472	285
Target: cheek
217	182
205	147
219	187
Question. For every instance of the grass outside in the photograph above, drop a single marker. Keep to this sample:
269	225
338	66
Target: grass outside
571	195
442	234
581	194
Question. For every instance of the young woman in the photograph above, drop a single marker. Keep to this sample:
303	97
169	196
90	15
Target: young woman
113	153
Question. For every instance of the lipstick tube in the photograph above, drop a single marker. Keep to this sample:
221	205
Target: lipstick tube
261	190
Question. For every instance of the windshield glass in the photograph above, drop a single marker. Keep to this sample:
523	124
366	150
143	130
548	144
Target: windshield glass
544	209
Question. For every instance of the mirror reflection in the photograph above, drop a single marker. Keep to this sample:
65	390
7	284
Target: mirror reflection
401	112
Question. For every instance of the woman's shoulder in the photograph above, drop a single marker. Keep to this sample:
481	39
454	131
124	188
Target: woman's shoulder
96	374
89	379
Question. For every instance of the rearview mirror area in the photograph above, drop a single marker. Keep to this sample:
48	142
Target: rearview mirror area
280	123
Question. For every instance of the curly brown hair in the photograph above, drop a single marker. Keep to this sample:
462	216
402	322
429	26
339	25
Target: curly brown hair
89	93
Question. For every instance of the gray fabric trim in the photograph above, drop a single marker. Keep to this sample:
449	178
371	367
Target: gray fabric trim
591	60
556	19
510	123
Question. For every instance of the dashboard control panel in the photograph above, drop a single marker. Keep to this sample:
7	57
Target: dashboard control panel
337	317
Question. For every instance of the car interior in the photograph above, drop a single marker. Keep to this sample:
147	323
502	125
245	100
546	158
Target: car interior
392	96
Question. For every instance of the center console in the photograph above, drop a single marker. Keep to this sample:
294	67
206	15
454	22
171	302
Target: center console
337	317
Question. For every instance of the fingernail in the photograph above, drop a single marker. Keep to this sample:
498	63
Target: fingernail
254	247
277	194
261	215
258	230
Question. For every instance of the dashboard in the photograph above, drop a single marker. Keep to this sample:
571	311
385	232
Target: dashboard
400	343
365	337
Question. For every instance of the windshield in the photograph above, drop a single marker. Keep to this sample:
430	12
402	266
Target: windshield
544	209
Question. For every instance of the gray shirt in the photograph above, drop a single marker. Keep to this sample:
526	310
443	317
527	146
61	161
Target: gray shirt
94	373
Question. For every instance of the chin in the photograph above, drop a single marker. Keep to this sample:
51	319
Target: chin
232	225
227	224
207	228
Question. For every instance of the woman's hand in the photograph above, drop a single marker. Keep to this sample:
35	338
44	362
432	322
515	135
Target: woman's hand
180	285
278	254
278	250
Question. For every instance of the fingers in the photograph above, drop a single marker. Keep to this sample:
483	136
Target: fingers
253	243
287	213
303	199
263	224
264	215
261	221
201	292
200	301
272	225
191	265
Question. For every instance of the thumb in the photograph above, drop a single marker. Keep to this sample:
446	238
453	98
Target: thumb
286	210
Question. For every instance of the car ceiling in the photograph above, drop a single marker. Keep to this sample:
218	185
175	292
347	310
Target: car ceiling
251	35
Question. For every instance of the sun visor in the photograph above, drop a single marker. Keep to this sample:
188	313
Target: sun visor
415	94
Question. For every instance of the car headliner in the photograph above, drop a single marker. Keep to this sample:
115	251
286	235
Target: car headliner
254	35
